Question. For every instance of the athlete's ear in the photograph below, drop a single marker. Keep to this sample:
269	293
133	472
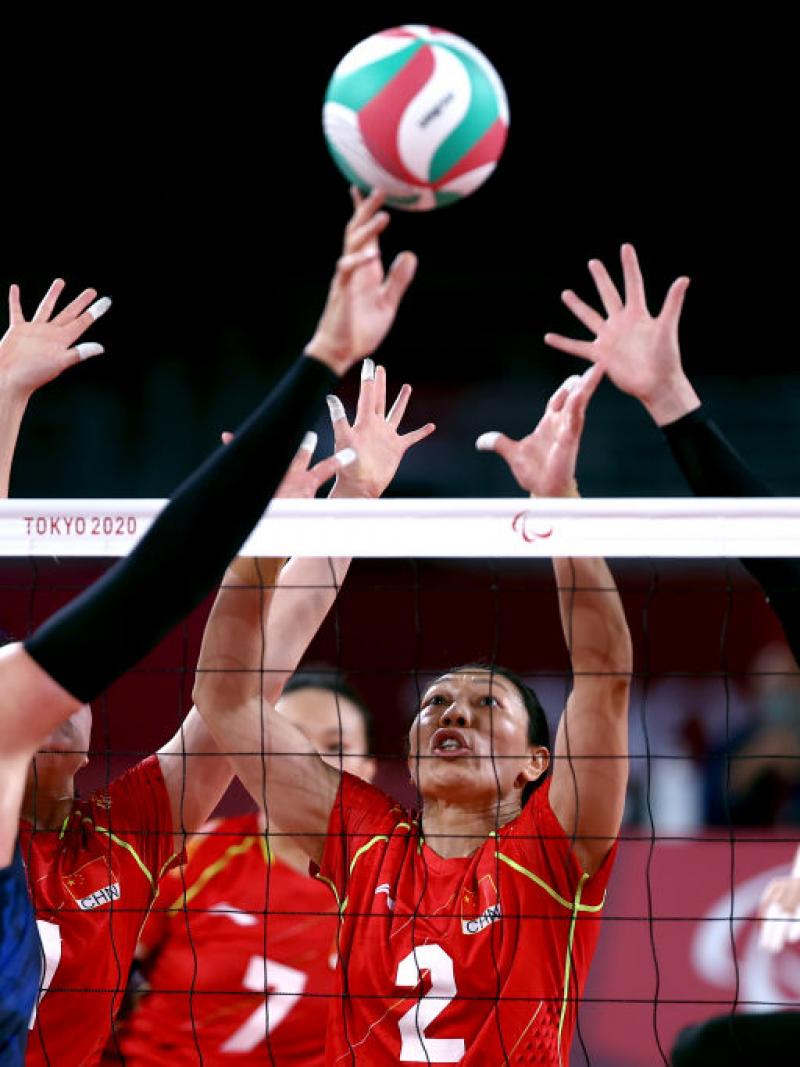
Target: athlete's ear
538	762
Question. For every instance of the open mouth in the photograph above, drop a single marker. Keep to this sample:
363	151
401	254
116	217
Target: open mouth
449	744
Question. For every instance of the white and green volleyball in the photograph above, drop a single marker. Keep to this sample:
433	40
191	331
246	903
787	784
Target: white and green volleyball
417	112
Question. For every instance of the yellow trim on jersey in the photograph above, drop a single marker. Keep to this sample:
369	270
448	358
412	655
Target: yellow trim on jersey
360	853
208	873
266	852
577	907
569	905
166	864
130	848
332	888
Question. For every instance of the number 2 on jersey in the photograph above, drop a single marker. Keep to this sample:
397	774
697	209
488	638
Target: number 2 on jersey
416	1046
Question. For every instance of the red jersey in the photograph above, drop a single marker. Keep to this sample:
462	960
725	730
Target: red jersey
92	884
235	923
478	960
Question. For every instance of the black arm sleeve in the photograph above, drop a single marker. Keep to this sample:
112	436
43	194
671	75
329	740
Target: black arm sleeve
712	467
116	622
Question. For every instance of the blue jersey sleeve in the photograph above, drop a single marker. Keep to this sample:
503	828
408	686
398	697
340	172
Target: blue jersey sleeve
20	962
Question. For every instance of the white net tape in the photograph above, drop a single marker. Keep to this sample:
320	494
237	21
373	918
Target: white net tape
497	528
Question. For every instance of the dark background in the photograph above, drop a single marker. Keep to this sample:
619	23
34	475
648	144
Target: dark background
177	164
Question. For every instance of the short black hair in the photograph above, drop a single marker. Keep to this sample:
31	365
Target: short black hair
538	728
331	682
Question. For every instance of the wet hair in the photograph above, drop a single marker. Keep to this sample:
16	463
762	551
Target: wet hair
329	682
538	729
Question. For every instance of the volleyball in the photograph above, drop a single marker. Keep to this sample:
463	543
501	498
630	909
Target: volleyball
418	112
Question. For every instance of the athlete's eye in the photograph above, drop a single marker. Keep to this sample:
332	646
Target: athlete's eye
490	702
434	701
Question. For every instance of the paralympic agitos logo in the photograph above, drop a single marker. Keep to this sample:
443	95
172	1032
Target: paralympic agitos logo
524	524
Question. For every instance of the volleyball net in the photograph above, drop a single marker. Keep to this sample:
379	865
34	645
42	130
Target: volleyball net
713	808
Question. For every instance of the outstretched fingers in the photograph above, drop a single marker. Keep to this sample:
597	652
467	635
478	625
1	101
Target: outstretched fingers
590	318
364	208
302	457
328	468
571	345
15	316
673	302
345	265
398	408
493	441
559	397
84	304
413	437
398	278
582	392
360	236
379	392
366	394
342	432
606	289
50	299
632	274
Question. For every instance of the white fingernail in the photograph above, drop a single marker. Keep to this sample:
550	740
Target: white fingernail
368	370
99	307
345	457
89	349
335	407
309	442
486	441
570	383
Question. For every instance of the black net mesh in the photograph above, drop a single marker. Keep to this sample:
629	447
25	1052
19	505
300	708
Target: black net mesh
711	817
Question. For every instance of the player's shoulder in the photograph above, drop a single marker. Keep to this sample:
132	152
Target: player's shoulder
535	816
143	779
360	796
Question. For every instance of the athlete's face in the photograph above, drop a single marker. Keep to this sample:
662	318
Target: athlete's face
469	742
334	727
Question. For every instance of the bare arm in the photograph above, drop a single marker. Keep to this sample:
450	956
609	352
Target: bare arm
31	706
641	354
590	774
195	772
253	642
271	756
283	774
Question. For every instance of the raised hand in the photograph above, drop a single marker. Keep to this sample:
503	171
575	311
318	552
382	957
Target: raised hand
373	436
640	354
362	300
544	462
301	480
36	351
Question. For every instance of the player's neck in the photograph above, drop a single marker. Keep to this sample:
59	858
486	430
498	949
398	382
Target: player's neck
288	851
48	800
452	830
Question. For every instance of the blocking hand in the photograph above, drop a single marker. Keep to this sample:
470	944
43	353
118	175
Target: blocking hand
34	352
544	462
640	354
362	300
373	436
